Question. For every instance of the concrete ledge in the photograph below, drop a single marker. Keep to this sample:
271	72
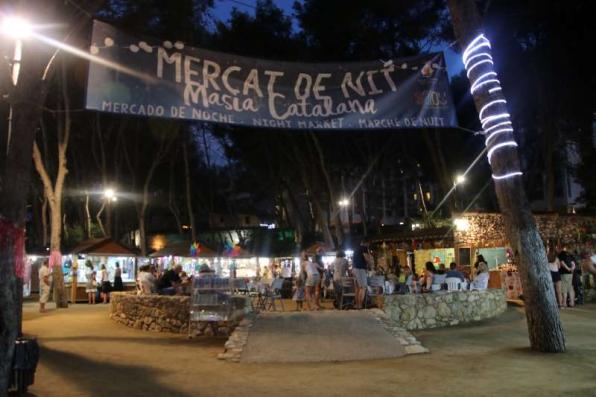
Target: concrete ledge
441	309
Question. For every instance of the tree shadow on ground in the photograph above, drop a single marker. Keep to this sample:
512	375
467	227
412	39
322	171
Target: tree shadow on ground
100	379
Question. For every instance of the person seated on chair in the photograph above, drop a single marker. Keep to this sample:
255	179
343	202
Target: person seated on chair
440	276
453	272
429	275
169	282
480	282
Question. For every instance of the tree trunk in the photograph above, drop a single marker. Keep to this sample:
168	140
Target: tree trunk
16	179
333	206
544	324
44	220
88	217
191	215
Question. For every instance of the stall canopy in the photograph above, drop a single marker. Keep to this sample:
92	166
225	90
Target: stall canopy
102	247
184	249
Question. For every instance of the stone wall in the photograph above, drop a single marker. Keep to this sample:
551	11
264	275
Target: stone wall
488	230
422	311
160	313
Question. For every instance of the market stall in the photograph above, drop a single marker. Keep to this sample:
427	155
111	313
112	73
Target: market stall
189	255
97	252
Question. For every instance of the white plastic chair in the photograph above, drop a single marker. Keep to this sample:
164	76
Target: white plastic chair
453	284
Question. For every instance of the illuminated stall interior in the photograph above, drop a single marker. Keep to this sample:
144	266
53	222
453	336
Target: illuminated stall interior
190	256
103	251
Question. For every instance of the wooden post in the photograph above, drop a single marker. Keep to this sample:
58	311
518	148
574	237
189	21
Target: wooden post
544	324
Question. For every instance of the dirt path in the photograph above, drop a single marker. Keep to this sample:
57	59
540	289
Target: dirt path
86	354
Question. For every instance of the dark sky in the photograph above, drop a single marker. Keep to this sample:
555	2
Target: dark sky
223	8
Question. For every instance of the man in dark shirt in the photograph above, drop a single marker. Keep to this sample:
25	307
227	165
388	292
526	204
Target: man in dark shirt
170	280
453	272
566	271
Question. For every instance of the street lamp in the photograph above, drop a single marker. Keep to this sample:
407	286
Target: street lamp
460	179
110	195
16	27
343	202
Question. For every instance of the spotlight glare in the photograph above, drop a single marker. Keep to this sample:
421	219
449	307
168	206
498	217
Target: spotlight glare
15	27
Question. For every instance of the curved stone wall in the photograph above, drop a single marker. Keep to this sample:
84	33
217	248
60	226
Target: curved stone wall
422	311
161	313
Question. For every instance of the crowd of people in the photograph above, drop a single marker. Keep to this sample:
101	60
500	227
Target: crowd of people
569	275
104	286
314	280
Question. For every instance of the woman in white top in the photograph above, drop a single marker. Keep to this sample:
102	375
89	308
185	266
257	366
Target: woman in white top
481	280
312	279
91	287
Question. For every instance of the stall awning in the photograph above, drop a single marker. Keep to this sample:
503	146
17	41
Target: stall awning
102	247
183	249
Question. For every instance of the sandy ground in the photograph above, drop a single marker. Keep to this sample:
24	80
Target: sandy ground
328	335
83	353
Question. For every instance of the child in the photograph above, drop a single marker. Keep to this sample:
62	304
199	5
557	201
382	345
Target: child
299	293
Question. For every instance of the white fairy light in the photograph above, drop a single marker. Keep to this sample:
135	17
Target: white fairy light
488	105
492	127
492	118
472	47
497	132
496	123
499	146
478	64
482	84
507	176
482	54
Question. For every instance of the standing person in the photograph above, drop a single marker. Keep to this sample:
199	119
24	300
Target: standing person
105	284
298	296
340	269
312	279
118	286
91	286
554	265
45	282
566	271
359	270
321	269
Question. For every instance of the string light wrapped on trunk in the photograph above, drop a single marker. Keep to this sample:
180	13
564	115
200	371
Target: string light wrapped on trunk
493	115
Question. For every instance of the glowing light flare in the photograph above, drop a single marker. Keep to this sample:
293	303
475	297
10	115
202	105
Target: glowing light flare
460	179
507	176
488	105
109	194
16	27
86	55
499	146
461	224
343	202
